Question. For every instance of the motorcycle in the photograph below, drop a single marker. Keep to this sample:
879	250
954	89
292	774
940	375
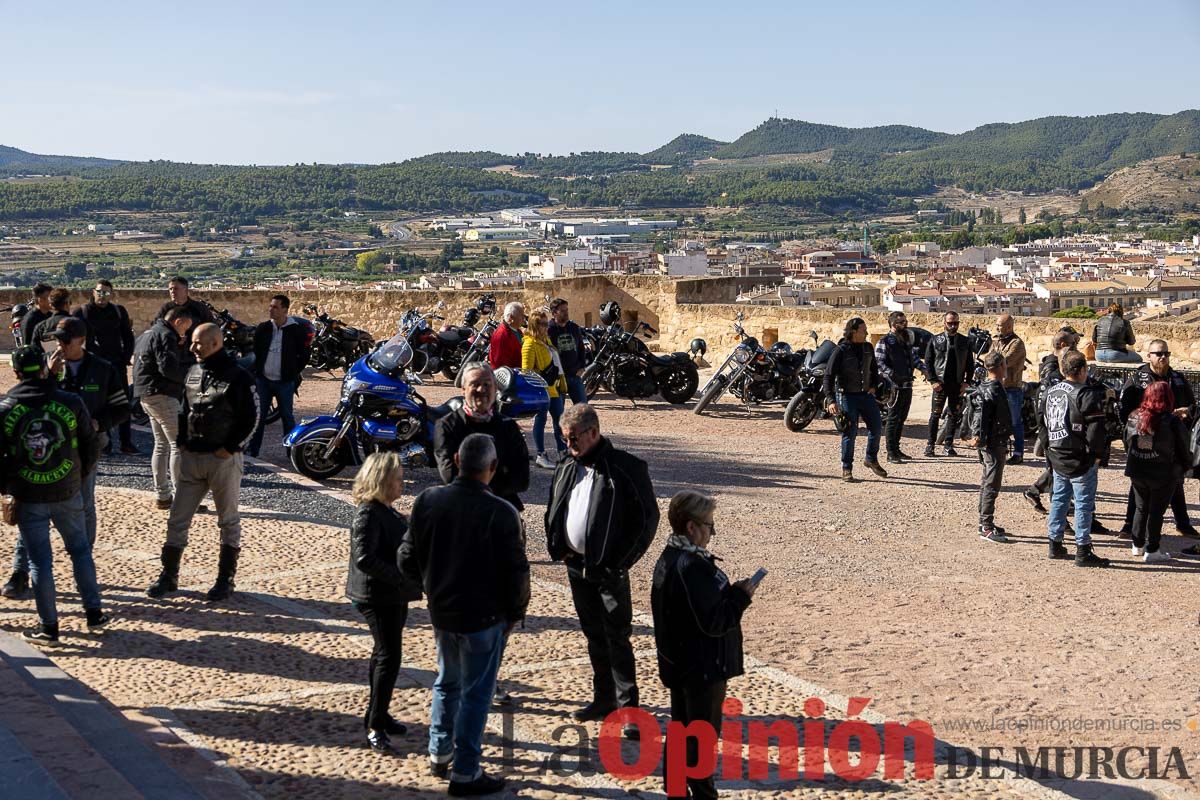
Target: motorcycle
336	344
14	326
381	410
456	340
753	374
625	366
810	400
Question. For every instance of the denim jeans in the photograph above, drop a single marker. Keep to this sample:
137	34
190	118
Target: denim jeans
1118	356
462	695
33	520
539	426
284	392
1083	489
1015	398
87	491
164	424
854	406
575	390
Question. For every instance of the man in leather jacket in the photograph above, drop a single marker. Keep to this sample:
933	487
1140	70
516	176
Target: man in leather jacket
220	412
600	519
1159	369
1049	374
894	355
159	369
948	366
992	427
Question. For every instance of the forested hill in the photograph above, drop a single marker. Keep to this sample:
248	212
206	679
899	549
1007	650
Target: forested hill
794	136
14	162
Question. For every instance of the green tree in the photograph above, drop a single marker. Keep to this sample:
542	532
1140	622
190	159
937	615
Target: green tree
1021	216
1077	312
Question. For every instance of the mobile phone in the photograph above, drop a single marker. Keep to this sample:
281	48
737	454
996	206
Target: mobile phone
757	577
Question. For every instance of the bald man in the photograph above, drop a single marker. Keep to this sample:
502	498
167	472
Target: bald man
1010	346
219	414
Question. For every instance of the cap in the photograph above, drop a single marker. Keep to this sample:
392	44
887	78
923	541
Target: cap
29	360
70	328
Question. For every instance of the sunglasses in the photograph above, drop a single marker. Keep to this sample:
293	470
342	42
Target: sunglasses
1162	354
573	438
951	324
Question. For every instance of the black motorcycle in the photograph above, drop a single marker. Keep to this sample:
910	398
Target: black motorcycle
626	367
752	373
336	344
456	340
810	400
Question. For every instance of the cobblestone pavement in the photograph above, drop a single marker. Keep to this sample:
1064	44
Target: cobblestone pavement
877	590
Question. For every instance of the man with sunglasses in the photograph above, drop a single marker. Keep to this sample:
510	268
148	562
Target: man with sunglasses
110	336
600	520
894	355
948	364
1159	369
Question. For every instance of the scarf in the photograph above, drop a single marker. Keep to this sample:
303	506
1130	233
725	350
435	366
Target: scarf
688	546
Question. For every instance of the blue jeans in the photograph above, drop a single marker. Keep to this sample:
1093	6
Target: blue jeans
33	520
539	426
1118	356
1084	490
1015	398
462	695
575	390
855	406
282	391
87	492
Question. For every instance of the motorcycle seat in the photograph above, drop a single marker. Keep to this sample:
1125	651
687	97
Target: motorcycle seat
450	336
445	409
668	360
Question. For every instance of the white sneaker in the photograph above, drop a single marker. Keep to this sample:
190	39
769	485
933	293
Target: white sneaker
1161	555
1137	551
543	462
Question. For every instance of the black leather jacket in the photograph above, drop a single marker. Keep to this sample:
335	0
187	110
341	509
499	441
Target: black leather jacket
466	548
220	406
895	359
1113	333
1143	376
852	369
47	441
1075	427
991	419
159	366
935	359
1162	456
101	387
374	575
697	620
110	332
622	512
512	473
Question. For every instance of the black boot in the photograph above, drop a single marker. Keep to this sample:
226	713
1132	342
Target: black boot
1058	550
1084	557
17	586
226	571
168	579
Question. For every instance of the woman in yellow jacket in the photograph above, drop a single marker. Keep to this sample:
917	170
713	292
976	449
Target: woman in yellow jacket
538	354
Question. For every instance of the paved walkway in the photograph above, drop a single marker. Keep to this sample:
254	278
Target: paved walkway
263	696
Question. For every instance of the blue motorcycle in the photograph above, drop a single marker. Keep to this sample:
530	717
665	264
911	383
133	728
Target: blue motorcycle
381	410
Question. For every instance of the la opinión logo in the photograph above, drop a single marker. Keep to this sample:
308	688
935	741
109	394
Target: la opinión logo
742	751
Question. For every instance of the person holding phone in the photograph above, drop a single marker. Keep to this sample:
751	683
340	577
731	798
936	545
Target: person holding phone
697	623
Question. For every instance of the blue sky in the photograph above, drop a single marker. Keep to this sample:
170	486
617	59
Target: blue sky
359	81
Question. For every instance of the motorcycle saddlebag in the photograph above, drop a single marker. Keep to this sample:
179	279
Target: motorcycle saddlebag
520	393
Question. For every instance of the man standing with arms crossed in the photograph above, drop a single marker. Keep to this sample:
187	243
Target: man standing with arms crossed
894	355
567	338
1012	349
947	365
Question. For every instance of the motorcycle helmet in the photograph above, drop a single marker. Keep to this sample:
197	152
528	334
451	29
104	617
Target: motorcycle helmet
610	312
19	310
782	347
698	347
471	317
486	304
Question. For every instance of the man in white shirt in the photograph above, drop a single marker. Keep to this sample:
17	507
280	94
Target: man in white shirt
281	348
600	519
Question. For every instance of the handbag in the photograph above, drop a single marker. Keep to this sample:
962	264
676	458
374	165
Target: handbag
8	509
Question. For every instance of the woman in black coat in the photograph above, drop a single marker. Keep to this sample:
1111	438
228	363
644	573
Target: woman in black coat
376	587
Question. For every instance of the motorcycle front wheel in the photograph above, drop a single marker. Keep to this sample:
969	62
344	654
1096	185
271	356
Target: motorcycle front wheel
310	461
801	411
715	387
592	384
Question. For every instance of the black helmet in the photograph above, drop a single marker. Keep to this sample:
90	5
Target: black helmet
486	304
472	316
781	347
19	310
698	347
610	312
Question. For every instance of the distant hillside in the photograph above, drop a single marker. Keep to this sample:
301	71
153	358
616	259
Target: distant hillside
793	136
476	159
17	162
1168	182
684	149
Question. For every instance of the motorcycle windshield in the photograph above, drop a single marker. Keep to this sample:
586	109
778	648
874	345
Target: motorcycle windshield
395	354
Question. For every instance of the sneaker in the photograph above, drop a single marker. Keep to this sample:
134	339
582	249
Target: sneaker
950	451
992	535
997	528
440	770
929	452
895	458
1015	460
1034	498
1058	550
41	634
17	586
543	462
848	476
97	619
163	503
1188	531
1156	556
502	698
484	784
873	465
1137	551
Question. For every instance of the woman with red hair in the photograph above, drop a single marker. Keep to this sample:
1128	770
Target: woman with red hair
1156	450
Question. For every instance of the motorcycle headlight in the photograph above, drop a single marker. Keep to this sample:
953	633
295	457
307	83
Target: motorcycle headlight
741	354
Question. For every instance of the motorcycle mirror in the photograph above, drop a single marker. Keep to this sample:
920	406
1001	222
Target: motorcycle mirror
813	335
440	305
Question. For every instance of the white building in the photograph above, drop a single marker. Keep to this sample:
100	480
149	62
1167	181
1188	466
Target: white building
683	263
494	234
460	223
572	262
521	216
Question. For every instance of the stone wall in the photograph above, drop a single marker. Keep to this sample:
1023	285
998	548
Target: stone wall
680	310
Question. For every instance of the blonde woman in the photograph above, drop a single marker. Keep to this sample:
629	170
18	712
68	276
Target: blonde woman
377	588
539	355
